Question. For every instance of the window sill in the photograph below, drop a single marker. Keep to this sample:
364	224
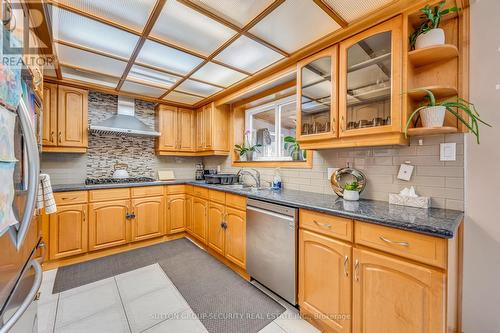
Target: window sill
307	164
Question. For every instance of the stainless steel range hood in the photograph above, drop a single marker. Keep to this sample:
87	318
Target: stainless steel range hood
124	122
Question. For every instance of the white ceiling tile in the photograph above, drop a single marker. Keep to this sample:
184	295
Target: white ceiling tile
351	10
179	97
90	61
185	27
142	89
295	24
92	34
217	74
167	58
151	76
94	78
239	12
130	13
198	88
248	55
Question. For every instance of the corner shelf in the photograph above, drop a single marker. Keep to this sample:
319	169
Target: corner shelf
432	54
421	131
438	91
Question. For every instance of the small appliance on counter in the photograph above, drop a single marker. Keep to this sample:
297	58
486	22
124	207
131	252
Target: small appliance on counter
222	179
120	171
199	172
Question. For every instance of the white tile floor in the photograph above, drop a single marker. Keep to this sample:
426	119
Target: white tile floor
129	302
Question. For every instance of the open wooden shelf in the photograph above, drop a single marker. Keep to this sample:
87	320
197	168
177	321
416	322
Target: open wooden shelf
420	131
438	91
432	54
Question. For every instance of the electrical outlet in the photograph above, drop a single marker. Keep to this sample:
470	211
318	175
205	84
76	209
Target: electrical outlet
331	171
448	151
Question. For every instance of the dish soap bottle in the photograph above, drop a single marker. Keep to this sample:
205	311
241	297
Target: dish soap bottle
276	184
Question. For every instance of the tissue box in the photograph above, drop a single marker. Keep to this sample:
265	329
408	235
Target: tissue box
420	202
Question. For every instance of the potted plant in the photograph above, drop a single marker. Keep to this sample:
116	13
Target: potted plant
428	32
351	191
432	113
293	148
246	152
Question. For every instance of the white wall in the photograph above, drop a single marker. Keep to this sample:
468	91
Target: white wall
481	298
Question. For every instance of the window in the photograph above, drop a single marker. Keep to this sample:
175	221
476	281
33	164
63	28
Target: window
268	125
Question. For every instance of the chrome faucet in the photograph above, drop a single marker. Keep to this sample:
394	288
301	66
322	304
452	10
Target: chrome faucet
255	177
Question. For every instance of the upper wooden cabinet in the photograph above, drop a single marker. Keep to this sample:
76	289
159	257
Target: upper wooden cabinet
65	119
212	132
370	69
177	128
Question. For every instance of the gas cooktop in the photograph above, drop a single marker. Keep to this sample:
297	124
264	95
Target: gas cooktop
98	181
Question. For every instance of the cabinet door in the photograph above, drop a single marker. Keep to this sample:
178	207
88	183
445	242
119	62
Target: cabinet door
49	116
176	213
149	219
189	214
393	295
168	127
215	227
186	130
207	126
236	236
200	207
108	224
370	81
220	128
200	133
72	120
68	231
324	281
316	96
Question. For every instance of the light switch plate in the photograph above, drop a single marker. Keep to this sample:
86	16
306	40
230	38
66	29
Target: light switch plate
405	172
448	151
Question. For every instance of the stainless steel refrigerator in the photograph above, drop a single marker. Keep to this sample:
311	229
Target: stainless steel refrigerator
20	270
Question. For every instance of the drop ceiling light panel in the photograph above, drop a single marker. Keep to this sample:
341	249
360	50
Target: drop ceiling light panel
167	58
142	89
198	88
185	27
151	76
82	59
130	13
239	12
218	74
175	96
351	10
295	24
248	55
92	34
94	78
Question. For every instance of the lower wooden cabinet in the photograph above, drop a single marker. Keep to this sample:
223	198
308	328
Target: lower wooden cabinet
200	214
394	295
189	214
176	213
68	231
216	222
235	242
325	281
108	224
149	221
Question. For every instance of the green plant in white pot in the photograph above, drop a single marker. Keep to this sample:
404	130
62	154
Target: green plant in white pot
428	32
432	113
351	191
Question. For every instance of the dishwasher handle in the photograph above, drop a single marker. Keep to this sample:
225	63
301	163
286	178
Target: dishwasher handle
267	212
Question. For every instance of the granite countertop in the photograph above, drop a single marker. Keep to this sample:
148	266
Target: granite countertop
433	221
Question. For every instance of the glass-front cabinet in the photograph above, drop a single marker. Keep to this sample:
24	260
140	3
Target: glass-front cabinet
316	96
370	81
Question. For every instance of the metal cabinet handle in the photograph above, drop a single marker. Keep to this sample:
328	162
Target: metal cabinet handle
60	136
346	266
52	136
84	216
406	244
356	270
342	124
329	226
72	198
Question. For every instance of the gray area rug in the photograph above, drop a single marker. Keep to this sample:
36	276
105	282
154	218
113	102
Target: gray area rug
224	302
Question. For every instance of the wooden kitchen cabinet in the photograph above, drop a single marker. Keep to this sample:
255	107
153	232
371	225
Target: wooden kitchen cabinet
108	224
177	128
49	128
325	281
149	221
186	133
394	295
68	231
189	214
200	217
216	229
176	213
235	236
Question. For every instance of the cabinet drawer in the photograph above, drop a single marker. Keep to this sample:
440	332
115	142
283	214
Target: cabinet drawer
217	196
325	224
64	198
175	189
236	201
146	191
111	194
423	248
200	192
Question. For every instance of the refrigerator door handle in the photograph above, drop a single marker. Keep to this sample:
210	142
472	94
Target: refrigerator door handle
19	233
29	298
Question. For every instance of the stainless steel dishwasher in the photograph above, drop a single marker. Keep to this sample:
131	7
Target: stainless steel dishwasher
272	247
